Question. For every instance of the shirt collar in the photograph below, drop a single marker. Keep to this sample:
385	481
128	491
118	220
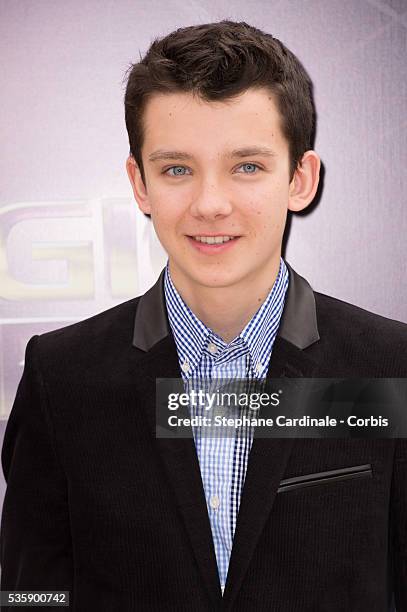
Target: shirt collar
192	335
260	332
189	332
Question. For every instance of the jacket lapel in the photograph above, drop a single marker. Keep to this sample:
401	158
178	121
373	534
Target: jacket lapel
268	457
180	463
266	467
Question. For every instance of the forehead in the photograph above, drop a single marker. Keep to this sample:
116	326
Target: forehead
190	121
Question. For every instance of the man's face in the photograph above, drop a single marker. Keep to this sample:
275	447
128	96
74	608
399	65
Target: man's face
227	176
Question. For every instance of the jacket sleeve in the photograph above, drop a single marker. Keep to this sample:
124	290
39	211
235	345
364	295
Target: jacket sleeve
398	526
35	539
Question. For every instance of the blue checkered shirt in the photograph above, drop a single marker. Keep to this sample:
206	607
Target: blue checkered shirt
204	355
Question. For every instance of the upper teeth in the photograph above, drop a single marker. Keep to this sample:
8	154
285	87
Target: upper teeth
213	239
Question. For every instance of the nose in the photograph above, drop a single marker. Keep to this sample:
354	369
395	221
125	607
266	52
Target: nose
211	201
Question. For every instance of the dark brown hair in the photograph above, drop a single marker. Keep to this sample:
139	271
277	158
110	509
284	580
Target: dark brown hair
218	61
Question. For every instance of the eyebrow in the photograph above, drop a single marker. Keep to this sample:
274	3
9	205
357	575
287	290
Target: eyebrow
243	152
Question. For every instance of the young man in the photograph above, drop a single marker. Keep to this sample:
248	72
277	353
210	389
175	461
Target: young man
220	120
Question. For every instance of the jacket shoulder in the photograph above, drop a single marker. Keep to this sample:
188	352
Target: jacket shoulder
91	339
329	308
364	343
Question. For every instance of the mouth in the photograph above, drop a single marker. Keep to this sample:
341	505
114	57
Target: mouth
213	244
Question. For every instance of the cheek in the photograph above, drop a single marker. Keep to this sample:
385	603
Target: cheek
163	211
271	211
167	221
270	199
167	206
268	218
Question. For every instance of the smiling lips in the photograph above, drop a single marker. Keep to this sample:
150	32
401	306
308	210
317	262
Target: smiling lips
213	239
213	244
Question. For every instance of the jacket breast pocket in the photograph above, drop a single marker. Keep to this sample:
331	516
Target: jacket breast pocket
325	478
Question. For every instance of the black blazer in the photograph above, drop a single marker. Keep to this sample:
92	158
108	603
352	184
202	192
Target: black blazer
98	506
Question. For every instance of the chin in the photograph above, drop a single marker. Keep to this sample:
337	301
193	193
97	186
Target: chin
216	280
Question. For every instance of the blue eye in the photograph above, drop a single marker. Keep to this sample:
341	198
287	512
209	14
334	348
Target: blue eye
176	169
182	170
250	165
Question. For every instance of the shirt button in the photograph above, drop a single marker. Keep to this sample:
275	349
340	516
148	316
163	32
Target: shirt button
185	366
214	502
212	348
259	367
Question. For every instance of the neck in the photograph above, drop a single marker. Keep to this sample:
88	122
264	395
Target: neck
226	310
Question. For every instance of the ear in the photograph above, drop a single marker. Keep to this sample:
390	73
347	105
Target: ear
304	184
139	189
